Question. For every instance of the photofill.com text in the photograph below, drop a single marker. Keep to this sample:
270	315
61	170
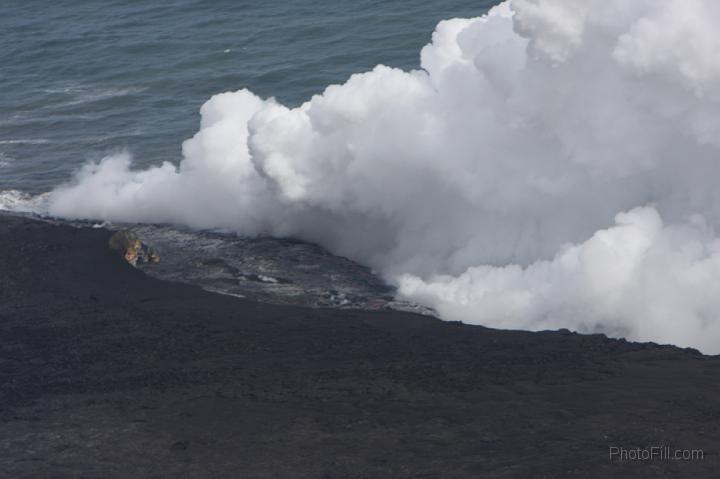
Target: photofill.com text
655	453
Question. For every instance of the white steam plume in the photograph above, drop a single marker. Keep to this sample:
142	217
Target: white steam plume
486	184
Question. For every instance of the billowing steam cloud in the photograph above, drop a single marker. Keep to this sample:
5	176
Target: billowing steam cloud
554	164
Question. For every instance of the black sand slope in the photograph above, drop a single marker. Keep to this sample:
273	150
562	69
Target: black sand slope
107	373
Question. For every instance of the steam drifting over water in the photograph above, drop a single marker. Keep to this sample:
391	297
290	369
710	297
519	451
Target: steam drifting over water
553	165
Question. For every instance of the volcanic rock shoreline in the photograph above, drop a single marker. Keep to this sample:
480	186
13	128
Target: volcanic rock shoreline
108	373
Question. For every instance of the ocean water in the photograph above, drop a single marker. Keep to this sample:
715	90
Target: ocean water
80	79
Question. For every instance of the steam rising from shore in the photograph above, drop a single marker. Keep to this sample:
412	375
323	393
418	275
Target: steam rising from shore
553	165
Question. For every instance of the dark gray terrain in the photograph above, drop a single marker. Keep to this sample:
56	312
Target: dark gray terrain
108	373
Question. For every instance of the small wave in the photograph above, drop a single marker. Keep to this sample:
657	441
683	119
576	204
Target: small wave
22	202
64	97
81	90
93	96
69	89
25	141
5	160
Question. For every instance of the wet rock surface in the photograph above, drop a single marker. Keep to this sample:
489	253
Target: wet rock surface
106	372
269	270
